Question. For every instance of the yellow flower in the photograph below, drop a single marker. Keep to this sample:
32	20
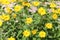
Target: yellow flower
54	16
0	1
11	38
5	2
1	22
12	0
58	10
26	33
34	32
48	25
53	5
42	34
5	17
36	3
26	4
1	17
41	11
8	10
17	8
29	20
14	15
54	11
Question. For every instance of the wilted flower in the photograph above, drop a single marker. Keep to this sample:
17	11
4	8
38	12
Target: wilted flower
57	2
47	3
57	6
49	10
33	9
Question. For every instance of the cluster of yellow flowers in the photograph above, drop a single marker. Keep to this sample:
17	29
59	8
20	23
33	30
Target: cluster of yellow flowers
27	33
6	15
7	2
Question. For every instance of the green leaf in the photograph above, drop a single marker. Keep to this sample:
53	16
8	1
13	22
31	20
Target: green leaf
23	38
38	39
19	32
49	0
34	38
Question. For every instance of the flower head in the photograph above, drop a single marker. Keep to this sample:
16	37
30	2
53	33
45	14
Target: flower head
54	11
48	25
54	16
29	20
5	2
42	34
26	4
36	3
14	15
58	10
26	33
52	5
11	38
8	10
17	8
41	11
5	17
34	32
